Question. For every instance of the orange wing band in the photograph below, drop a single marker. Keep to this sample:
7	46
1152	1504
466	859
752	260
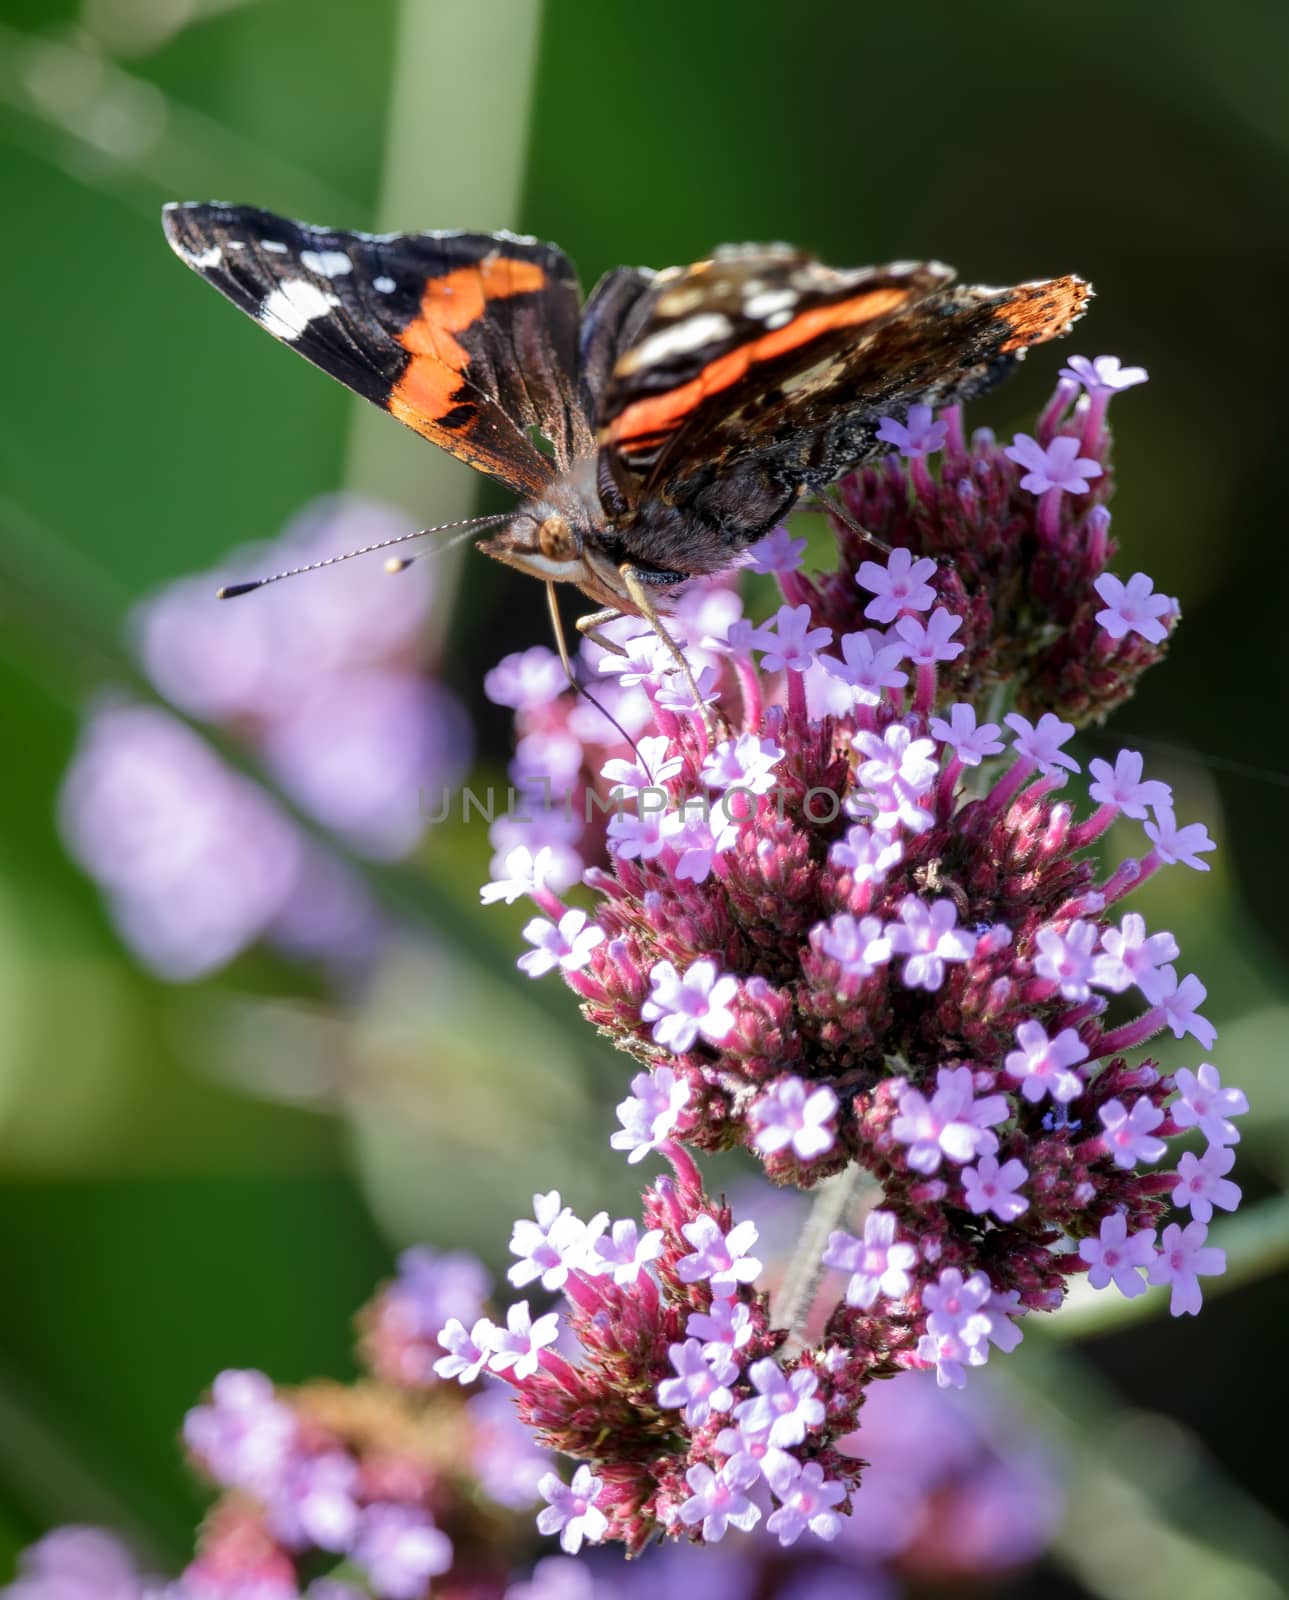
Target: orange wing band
659	414
451	304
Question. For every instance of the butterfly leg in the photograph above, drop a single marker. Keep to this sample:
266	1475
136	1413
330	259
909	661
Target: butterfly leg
589	627
638	590
834	506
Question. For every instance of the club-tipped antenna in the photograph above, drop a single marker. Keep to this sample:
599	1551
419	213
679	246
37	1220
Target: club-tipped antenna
557	624
231	591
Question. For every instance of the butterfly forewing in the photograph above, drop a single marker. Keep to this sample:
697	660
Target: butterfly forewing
470	339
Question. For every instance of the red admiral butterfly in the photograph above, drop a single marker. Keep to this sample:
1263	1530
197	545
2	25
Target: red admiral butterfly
655	431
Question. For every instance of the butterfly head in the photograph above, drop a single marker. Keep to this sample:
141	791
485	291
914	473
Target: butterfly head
555	539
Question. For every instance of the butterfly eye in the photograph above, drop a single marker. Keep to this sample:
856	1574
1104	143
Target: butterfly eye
555	540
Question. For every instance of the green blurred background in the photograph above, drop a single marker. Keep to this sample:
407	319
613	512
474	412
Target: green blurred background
162	1213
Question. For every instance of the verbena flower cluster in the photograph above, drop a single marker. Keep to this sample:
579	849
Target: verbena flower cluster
864	933
404	1485
326	683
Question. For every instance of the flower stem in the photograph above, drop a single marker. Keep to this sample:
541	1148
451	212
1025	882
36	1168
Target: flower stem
796	1296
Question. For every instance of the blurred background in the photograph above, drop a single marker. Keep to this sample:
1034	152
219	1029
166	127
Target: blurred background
217	1129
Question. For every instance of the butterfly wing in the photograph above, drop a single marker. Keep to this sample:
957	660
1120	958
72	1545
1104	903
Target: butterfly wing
471	339
765	356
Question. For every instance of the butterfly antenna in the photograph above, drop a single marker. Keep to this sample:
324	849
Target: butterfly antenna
561	644
231	591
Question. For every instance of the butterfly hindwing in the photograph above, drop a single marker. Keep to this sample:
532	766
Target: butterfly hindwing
470	339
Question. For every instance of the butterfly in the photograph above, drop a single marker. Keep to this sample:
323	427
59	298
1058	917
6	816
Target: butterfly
652	432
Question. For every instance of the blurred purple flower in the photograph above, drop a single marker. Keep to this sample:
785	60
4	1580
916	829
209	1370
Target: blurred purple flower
259	658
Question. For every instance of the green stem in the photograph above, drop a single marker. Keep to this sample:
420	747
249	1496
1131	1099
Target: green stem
796	1297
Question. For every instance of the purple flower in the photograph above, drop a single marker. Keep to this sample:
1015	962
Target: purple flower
743	763
637	836
955	1306
432	1287
720	1257
789	641
895	759
316	1505
547	829
518	1346
878	1263
1115	1258
870	664
1102	372
916	436
1173	844
859	945
930	641
468	1353
792	1115
778	552
807	1503
625	1252
698	840
1059	466
526	680
1130	956
1183	1259
360	750
552	1245
717	1499
1202	1182
1045	1066
572	1512
245	1437
727	1326
1129	1135
867	855
1134	607
989	1187
196	861
651	767
558	1578
78	1564
1067	958
504	1455
969	742
651	1113
1177	1004
952	1123
644	661
702	1382
1206	1105
928	937
523	873
1041	743
1123	787
674	694
568	944
784	1403
950	1356
400	1550
683	1009
898	586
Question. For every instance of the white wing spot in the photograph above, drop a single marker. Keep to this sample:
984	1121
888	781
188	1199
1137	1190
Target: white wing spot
780	319
292	306
769	302
202	259
326	263
691	334
273	246
383	285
